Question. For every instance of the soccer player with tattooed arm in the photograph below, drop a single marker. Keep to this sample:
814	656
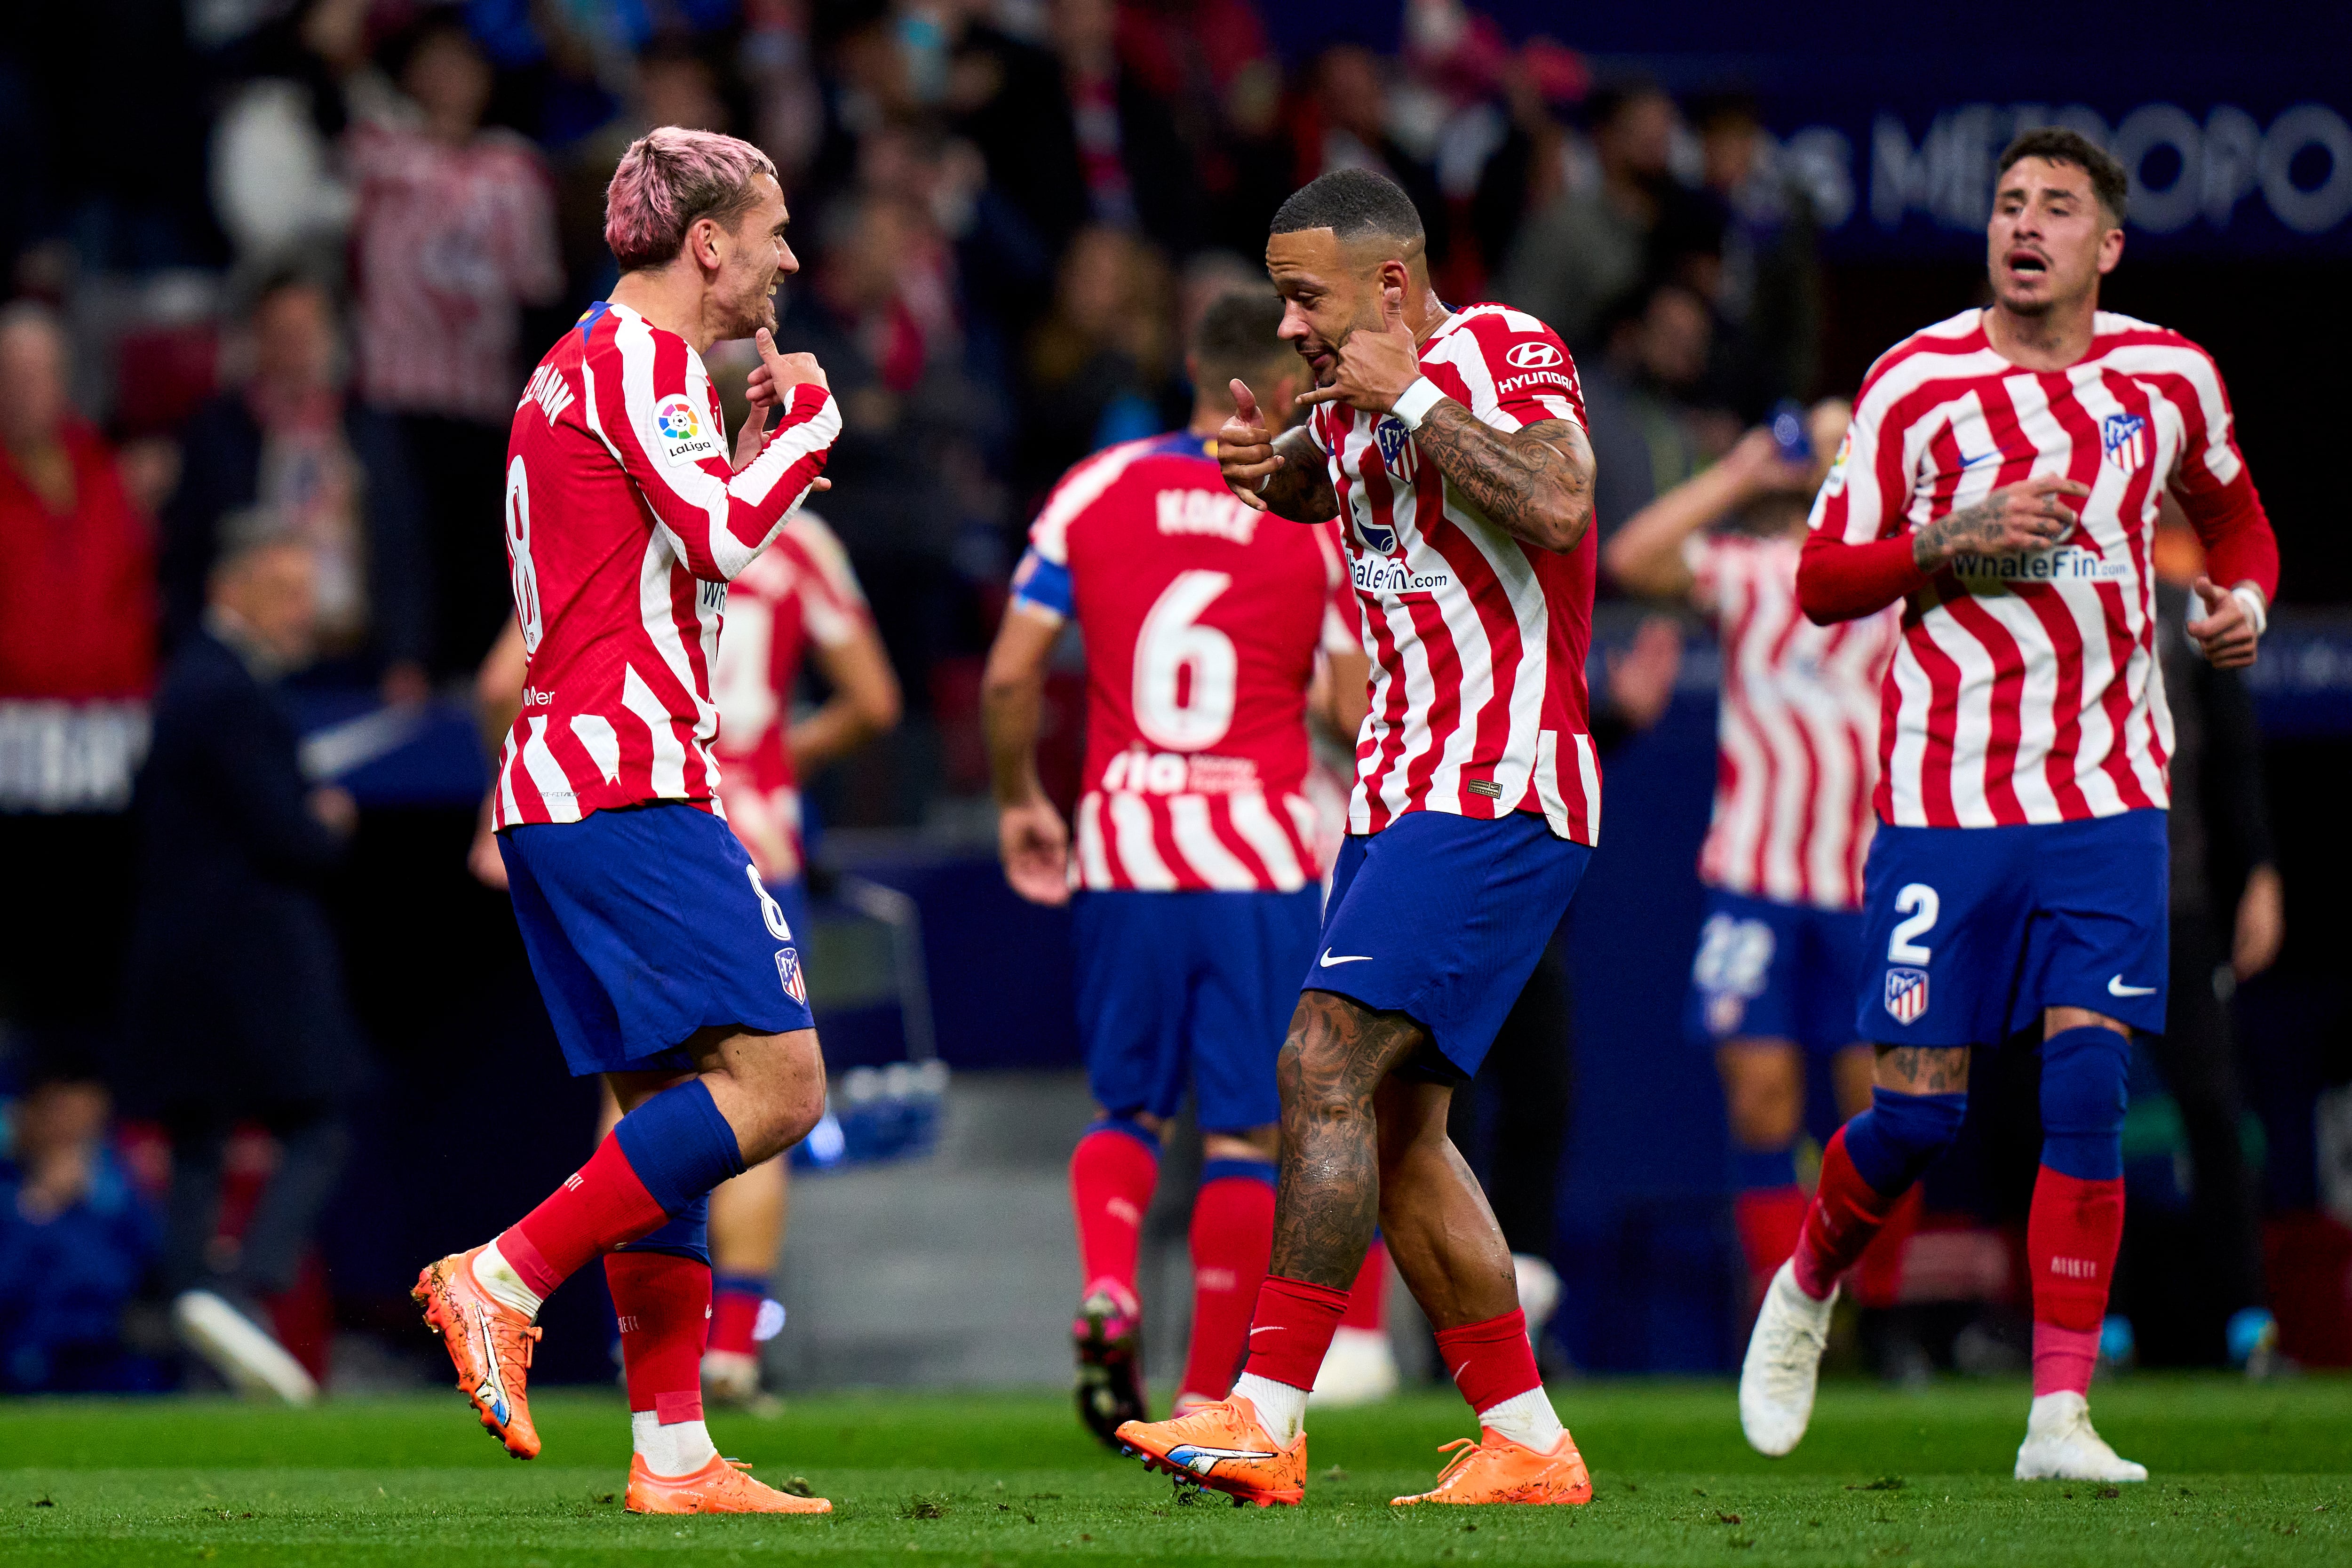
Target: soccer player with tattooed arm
667	967
1451	446
2002	480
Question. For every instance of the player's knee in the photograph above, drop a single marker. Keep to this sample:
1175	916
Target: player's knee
1901	1135
2086	1077
1763	1108
1312	1074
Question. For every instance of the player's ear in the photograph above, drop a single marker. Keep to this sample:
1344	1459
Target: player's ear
2111	249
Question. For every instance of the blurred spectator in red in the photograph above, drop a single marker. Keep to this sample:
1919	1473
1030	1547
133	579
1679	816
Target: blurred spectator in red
1351	130
236	1001
1587	247
76	661
324	467
454	236
1209	62
77	571
1099	366
1637	399
1768	296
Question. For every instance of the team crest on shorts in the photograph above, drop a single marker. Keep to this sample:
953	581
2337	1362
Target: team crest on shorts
2125	436
1907	995
788	970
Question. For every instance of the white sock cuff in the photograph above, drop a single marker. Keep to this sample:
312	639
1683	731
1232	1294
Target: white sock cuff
1527	1418
499	1278
677	1449
1281	1409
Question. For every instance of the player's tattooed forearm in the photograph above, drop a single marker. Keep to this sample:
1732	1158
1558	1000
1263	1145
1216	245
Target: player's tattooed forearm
1301	489
1968	528
1926	1069
1327	1197
1536	482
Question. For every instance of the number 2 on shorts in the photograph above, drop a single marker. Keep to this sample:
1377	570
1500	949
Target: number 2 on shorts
1913	897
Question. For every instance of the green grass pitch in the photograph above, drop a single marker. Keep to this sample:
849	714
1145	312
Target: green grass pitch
2243	1475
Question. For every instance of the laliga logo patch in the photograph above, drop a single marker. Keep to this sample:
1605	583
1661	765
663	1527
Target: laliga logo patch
1836	479
2125	436
681	431
1907	995
1532	357
788	970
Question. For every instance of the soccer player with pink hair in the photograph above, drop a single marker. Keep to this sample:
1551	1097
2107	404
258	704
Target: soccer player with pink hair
667	968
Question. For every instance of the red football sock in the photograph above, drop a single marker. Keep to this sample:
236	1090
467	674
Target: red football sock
735	1312
1878	1274
1233	1232
1291	1330
1491	1362
1845	1213
1112	1174
2072	1233
1368	1298
1768	1220
664	1303
601	1205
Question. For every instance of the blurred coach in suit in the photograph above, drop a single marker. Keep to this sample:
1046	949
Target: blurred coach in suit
237	994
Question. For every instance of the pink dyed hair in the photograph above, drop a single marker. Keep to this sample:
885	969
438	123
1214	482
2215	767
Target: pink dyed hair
668	180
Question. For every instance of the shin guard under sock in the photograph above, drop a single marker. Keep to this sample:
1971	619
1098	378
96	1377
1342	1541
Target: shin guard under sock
1112	1173
663	1302
1869	1165
735	1303
1233	1232
661	1158
2077	1223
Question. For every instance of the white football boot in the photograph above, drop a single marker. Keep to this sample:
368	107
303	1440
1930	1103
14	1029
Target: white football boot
246	1355
1784	1362
2062	1446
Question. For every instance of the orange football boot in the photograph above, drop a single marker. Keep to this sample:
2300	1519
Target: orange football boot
489	1342
722	1485
1222	1445
1496	1470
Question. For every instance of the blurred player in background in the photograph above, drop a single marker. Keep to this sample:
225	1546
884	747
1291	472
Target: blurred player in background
800	599
1199	887
1452	446
1796	761
667	966
2002	478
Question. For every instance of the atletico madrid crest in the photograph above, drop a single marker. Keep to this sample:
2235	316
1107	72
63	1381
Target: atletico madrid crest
1906	994
788	970
2125	436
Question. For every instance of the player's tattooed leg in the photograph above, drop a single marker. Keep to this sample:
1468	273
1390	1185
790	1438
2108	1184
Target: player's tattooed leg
1326	1198
1924	1069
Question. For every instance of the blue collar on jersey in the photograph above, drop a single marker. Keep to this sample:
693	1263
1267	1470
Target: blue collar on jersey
590	317
1180	444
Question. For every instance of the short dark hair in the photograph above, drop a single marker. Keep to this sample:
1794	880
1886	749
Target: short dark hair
1353	204
1238	333
2056	144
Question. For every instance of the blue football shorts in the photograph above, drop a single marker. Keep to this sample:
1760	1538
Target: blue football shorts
645	924
1442	918
1767	971
1193	990
1970	932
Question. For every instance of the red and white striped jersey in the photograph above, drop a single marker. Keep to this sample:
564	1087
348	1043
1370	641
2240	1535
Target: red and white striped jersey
623	526
1478	641
1796	730
447	244
800	592
1203	618
2026	690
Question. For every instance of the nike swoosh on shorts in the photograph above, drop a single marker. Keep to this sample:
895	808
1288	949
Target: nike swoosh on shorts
2115	987
1327	961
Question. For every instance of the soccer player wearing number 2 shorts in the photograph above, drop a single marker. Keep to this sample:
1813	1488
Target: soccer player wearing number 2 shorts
2002	476
1198	886
1451	445
666	966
